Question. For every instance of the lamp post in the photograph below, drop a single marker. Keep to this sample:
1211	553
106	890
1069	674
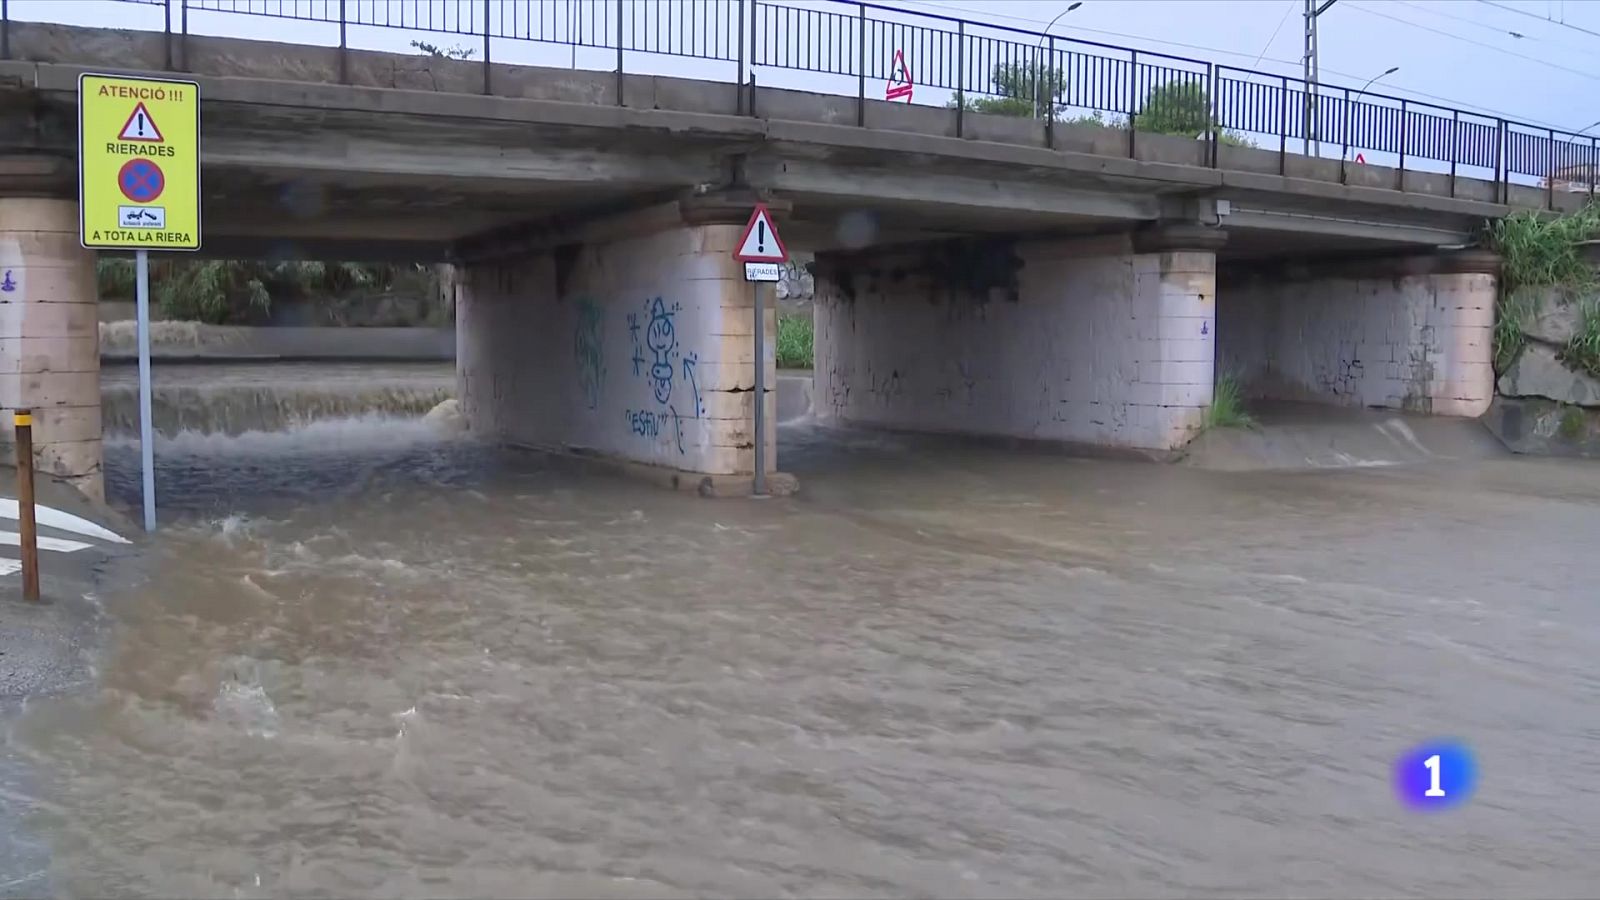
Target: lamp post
1037	71
1384	74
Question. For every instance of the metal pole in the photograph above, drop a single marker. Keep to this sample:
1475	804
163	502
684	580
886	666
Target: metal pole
1213	128
147	460
5	29
1455	146
1499	159
1050	120
1283	125
619	53
738	37
1133	82
166	30
1305	75
487	86
22	420
1344	144
1591	169
1550	170
760	486
961	81
1401	171
344	48
183	42
861	72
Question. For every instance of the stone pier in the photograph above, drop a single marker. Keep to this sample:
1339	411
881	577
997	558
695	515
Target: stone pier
49	337
628	338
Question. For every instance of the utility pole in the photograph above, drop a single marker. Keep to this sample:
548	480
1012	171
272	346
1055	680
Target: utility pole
1309	62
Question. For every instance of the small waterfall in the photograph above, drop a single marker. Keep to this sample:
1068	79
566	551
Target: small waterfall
234	407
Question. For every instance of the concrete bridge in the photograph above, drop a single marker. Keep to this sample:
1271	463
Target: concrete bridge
976	273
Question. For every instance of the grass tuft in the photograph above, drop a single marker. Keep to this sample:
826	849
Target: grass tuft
1582	353
1539	251
795	341
1227	408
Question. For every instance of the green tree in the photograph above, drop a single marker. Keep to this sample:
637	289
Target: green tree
1177	107
1019	89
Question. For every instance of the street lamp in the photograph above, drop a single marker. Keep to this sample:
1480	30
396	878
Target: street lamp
1384	74
1036	69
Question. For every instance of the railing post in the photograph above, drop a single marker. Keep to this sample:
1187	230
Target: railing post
861	71
166	30
1592	163
487	86
5	29
619	53
1050	113
961	81
1404	130
1213	128
183	39
1550	171
1344	149
755	29
1133	82
1283	126
1501	187
1455	146
738	38
344	47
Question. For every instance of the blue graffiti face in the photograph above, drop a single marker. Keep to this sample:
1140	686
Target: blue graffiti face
662	339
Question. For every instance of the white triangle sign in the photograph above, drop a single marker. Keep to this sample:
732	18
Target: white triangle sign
140	127
761	242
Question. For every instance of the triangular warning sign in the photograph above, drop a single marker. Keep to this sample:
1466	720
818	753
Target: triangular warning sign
761	242
1361	158
899	79
140	127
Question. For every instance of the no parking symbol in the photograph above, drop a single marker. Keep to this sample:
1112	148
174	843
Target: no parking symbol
141	180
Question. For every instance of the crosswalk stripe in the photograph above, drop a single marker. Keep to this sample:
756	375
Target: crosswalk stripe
59	545
51	517
7	566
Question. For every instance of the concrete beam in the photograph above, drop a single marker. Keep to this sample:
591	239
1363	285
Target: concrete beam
816	179
1308	223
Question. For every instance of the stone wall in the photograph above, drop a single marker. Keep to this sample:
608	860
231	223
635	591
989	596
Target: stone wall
1419	340
1080	341
636	348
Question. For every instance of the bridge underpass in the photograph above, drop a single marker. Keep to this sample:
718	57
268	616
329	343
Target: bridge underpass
1057	294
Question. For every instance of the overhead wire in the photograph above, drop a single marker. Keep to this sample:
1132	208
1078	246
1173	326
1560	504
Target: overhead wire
1592	76
1536	16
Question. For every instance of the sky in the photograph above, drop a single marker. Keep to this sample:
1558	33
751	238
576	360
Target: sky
1535	61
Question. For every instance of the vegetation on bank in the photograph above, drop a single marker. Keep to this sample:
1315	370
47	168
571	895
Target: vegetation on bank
795	339
1227	409
231	292
1538	253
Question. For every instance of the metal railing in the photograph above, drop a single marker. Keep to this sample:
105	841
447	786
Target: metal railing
968	66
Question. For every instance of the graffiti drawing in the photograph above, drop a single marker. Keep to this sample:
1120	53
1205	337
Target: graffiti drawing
633	334
690	360
588	350
662	339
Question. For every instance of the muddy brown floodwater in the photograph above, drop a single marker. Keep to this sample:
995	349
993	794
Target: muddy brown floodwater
361	660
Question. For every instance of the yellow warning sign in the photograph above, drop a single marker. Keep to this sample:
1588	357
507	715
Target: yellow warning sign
138	163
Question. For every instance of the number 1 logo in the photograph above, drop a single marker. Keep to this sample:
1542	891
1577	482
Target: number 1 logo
1436	775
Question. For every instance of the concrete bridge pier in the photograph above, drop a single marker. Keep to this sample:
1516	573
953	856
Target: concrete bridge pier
1106	340
628	338
49	327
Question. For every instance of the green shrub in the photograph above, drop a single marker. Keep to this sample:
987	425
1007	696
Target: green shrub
1572	424
795	338
1582	353
221	292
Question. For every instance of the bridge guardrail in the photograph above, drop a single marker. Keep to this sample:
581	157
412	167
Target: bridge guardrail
973	66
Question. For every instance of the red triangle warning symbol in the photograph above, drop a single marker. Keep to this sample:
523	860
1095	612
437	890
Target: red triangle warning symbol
140	127
1361	158
899	79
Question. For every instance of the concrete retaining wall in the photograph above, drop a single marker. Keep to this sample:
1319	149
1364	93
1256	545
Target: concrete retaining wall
638	348
1080	341
1421	342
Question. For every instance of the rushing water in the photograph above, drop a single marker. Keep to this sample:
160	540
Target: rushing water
362	659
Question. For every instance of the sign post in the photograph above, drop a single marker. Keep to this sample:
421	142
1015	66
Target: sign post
139	190
762	252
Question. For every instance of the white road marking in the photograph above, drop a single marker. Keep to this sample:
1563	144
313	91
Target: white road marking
60	545
51	517
7	566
